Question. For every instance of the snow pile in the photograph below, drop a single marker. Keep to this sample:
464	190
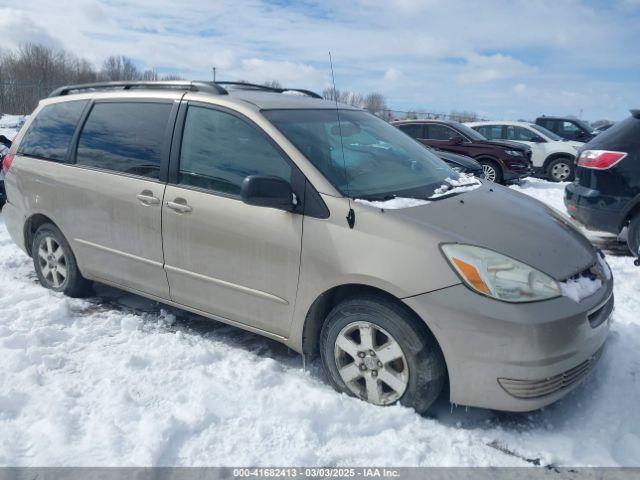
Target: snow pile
580	287
394	203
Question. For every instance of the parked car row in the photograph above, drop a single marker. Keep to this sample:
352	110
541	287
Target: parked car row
502	161
408	277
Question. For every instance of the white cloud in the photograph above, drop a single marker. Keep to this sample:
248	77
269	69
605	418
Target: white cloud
469	55
393	75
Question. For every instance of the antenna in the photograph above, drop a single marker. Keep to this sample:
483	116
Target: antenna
351	217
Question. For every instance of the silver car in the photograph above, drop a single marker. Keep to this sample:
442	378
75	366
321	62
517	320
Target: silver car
315	224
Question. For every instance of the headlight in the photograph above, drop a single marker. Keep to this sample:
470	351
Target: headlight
498	276
514	153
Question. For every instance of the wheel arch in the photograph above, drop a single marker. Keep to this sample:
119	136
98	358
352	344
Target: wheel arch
554	156
321	307
31	226
632	210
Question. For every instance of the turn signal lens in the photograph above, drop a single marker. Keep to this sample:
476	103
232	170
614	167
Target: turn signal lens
600	159
471	274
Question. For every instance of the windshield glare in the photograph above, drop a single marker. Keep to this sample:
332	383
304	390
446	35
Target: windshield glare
545	132
379	161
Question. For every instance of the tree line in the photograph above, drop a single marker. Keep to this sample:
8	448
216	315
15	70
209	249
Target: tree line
32	71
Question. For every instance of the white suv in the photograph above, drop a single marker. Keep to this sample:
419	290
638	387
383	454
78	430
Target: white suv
551	155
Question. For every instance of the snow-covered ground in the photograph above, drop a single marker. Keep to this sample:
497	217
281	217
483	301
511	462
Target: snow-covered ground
9	125
120	380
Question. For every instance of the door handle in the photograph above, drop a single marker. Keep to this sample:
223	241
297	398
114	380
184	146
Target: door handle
179	205
146	197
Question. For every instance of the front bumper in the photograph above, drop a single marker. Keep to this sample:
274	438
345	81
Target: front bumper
515	357
516	170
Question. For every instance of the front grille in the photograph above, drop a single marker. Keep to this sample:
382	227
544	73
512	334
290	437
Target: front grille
527	389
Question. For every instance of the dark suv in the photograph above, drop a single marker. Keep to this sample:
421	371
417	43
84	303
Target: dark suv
605	194
501	160
567	127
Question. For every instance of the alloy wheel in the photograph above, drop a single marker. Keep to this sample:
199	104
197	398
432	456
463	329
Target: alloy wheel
53	262
489	172
560	172
371	363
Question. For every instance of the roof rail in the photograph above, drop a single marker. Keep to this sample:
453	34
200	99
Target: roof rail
255	86
128	85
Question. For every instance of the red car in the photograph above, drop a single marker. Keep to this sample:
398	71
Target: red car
502	161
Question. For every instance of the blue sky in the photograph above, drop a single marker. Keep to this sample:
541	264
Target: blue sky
503	59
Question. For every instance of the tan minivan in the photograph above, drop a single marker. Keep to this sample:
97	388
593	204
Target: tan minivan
315	224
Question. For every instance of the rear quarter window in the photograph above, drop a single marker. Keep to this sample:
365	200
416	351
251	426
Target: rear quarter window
49	135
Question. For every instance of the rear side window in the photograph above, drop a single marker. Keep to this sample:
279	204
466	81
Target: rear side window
490	132
520	134
125	137
440	132
50	133
413	130
220	150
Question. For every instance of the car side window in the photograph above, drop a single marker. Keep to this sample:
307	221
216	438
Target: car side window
490	132
569	128
413	130
440	132
50	133
219	150
124	137
520	134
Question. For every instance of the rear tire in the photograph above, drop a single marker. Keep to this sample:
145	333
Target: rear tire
633	235
492	171
375	350
561	170
55	263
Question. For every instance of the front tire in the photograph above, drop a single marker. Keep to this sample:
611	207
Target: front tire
55	263
375	350
491	170
561	170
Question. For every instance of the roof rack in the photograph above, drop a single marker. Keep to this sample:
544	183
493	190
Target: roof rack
255	86
128	85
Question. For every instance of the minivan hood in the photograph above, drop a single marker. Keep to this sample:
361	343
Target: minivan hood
511	223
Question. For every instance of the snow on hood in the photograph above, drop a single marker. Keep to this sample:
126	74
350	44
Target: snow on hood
464	183
394	203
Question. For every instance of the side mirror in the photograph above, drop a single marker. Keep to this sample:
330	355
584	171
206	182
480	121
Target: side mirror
538	140
457	140
266	191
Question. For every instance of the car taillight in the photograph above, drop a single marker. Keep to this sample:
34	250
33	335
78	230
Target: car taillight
6	163
600	159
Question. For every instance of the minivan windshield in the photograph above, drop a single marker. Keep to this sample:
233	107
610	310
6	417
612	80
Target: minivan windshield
379	161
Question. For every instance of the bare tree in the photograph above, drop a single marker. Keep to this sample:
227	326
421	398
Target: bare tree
118	68
463	116
375	103
273	84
